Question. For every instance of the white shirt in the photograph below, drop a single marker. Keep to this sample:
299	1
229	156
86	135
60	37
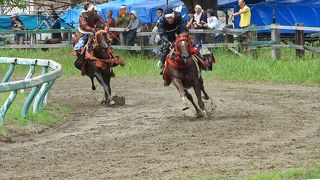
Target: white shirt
214	23
197	17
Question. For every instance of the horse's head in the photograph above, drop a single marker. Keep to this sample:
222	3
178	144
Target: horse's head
102	39
182	48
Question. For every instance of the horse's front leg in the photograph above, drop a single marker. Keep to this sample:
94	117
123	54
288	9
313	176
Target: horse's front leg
197	91
108	98
206	96
178	84
189	96
93	87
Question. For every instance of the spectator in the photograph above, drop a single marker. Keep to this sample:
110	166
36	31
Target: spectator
112	23
200	18
55	37
131	30
17	25
110	20
191	20
159	14
123	18
214	23
245	21
245	14
155	39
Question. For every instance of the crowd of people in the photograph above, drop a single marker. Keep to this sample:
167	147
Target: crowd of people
198	19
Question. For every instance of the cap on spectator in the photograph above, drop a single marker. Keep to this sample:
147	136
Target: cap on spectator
134	13
160	9
123	6
211	12
54	15
14	15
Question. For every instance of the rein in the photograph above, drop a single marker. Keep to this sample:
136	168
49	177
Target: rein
103	63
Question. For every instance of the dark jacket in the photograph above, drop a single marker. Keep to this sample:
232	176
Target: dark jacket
17	25
203	20
168	31
56	25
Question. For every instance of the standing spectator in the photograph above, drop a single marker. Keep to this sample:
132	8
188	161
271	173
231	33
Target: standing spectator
245	21
189	24
17	25
245	14
154	39
200	18
214	23
159	14
110	20
123	18
55	37
112	23
131	30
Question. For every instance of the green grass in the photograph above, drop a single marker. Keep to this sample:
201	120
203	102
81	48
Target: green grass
292	173
257	67
48	114
261	67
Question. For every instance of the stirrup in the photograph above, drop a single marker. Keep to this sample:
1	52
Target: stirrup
160	64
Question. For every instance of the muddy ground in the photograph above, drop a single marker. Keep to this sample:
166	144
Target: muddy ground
255	127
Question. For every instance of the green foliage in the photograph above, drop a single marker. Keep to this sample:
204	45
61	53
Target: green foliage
18	3
292	173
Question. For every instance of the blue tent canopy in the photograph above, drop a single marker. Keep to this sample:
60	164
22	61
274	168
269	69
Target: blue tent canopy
284	12
30	22
146	10
234	3
264	12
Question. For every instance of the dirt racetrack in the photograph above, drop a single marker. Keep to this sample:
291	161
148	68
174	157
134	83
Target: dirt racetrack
255	127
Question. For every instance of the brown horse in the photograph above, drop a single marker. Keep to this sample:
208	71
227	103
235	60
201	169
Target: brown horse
185	72
97	62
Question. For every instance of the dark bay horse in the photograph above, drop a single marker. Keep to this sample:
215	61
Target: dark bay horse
98	62
185	72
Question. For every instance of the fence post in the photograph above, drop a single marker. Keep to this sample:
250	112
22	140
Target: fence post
299	39
121	36
229	37
275	36
70	37
252	37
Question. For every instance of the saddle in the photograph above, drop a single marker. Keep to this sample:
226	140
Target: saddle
86	55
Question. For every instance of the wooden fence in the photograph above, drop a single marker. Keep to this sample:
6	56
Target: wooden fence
274	43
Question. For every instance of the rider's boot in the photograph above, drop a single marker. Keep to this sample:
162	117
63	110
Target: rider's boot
161	65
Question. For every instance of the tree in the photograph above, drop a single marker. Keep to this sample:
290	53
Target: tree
18	3
205	4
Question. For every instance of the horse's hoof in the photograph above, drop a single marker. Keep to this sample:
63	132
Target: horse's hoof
103	102
205	113
205	97
93	87
200	115
112	103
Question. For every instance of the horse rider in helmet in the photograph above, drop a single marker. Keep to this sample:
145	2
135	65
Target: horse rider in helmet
169	25
89	22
